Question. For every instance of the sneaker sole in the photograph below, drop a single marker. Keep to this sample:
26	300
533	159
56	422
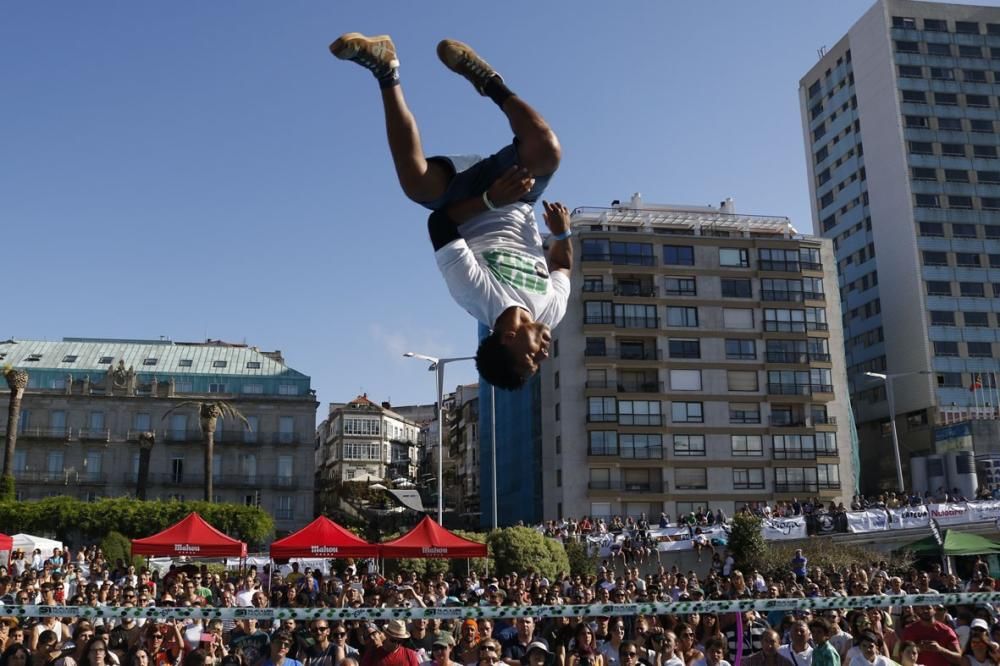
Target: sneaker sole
343	48
452	52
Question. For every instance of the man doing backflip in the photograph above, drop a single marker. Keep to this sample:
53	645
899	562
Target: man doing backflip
482	227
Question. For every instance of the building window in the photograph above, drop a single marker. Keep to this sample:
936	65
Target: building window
217	388
935	25
904	22
632	254
253	365
69	359
734	257
288	389
185	363
980	350
942	348
639	412
972	289
932	229
945	99
736	288
691	478
907	47
682	317
149	361
601	410
938	288
748	479
949	379
942	318
987	152
741	349
253	388
953	149
977	101
969	28
747	446
680	286
685	380
686	412
967	259
963	230
740	380
911	72
975	319
935	258
744	413
603	443
684	348
689	445
678	255
219	364
990	203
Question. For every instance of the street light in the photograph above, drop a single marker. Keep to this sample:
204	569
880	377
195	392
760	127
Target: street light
888	378
437	364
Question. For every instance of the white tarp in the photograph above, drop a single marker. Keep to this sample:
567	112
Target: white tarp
28	543
910	517
873	520
778	529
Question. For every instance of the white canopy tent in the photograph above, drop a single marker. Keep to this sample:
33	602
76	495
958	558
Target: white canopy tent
28	543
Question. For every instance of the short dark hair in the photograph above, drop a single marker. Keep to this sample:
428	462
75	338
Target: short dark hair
496	364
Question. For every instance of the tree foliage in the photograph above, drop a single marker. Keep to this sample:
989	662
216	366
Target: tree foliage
581	561
68	518
522	549
830	555
746	542
7	492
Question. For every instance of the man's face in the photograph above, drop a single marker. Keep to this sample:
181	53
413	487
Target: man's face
530	346
769	643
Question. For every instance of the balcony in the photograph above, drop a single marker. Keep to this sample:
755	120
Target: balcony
95	434
787	357
778	265
637	322
650	486
627	452
788	421
602	418
220	480
636	291
180	436
640	419
823	419
817	326
619	259
64	477
626	387
772	326
799	389
44	433
811	265
805	486
631	354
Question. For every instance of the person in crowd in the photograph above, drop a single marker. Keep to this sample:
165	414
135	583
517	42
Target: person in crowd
798	650
824	653
387	647
585	650
768	655
715	652
982	650
937	641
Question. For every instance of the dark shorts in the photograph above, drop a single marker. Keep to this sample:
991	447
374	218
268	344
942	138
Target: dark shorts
473	174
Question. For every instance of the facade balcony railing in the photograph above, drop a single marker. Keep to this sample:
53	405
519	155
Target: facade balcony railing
632	291
32	432
799	389
649	486
802	454
787	357
602	418
60	477
788	421
823	419
651	386
817	326
220	480
805	486
787	296
772	326
619	259
778	265
627	452
640	419
637	322
624	354
95	434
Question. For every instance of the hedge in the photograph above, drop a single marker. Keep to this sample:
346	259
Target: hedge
67	518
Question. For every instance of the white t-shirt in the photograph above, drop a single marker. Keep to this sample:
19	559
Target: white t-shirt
499	263
803	658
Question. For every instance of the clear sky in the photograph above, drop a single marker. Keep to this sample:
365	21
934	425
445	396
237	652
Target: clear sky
207	169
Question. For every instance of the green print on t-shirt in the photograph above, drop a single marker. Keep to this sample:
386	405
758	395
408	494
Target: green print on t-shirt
520	271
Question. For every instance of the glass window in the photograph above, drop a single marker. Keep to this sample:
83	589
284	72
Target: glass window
741	380
980	349
689	445
737	257
744	413
686	412
942	318
603	443
678	255
681	286
975	319
681	316
741	349
944	348
747	446
736	288
748	479
972	289
690	478
685	380
684	348
938	288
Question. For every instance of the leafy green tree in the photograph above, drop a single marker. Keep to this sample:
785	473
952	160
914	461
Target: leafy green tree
522	549
746	542
581	562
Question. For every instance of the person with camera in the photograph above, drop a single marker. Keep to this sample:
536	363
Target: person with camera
584	651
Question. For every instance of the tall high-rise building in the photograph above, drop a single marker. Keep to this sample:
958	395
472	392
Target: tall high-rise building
900	126
699	365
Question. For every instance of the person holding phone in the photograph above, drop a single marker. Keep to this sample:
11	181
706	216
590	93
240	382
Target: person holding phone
938	643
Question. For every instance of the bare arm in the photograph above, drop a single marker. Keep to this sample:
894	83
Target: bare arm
560	256
505	190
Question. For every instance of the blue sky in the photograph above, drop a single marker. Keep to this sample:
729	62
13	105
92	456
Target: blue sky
207	169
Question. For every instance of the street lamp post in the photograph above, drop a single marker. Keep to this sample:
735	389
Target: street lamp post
887	378
437	364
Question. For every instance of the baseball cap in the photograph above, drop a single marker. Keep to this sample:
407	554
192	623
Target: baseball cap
537	645
979	624
443	638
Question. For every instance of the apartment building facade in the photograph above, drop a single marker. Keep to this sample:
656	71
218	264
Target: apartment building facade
699	364
89	399
900	122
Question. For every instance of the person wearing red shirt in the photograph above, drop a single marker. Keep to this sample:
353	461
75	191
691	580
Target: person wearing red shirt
386	647
937	641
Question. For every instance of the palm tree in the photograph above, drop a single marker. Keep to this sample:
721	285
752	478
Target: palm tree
146	442
17	381
209	414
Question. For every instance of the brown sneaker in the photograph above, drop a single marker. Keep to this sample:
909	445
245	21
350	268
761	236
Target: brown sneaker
461	59
377	53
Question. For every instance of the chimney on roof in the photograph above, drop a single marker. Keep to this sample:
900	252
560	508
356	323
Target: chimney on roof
636	201
386	405
728	206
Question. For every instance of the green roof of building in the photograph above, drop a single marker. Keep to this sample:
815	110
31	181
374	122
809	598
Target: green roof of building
147	357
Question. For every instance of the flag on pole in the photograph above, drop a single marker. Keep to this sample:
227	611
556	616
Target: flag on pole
977	384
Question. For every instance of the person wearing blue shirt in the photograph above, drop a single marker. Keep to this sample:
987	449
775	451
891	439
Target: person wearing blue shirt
281	643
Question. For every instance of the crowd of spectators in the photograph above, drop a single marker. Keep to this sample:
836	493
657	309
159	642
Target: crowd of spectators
928	635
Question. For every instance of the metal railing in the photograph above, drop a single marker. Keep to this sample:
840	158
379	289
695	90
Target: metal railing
650	486
798	389
790	296
94	434
43	433
805	487
823	419
640	419
788	421
773	326
627	452
641	291
64	477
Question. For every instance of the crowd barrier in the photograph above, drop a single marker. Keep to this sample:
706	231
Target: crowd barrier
946	514
502	612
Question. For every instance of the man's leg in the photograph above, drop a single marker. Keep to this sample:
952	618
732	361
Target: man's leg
538	147
421	180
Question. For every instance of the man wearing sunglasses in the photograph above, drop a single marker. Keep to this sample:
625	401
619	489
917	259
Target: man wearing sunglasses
386	647
331	645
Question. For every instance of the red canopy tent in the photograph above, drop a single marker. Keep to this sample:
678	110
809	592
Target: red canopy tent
322	538
428	539
192	536
6	543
